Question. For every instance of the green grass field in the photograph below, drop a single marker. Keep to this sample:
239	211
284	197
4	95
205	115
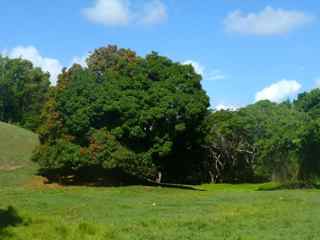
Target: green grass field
30	210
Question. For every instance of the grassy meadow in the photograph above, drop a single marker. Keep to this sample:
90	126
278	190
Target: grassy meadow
31	209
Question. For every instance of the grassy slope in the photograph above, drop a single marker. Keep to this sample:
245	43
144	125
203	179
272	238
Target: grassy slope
138	212
16	146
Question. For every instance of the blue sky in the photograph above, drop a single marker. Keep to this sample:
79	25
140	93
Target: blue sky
246	49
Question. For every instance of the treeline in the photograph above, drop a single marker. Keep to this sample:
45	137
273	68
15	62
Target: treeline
266	141
149	117
23	91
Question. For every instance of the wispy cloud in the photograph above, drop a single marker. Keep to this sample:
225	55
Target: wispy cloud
269	21
123	12
215	74
154	12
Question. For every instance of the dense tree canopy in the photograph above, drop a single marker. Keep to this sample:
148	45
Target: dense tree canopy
275	129
258	142
149	117
310	151
23	90
309	102
140	115
229	147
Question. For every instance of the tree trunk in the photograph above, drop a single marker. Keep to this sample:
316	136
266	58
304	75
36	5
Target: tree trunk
159	177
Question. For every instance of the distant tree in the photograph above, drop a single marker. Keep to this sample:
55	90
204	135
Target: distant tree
260	141
230	150
23	90
140	115
309	102
275	130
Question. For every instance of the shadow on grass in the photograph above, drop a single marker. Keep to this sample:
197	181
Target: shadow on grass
176	186
289	186
8	218
105	178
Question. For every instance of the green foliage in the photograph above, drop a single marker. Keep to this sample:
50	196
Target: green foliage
275	130
230	151
148	117
310	152
142	115
23	90
261	141
309	102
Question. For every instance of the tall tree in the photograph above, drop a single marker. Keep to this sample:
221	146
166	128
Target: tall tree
140	115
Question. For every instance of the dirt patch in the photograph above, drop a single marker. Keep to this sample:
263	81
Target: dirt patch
9	168
41	182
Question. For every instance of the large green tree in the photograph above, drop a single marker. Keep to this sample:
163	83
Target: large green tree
140	115
23	91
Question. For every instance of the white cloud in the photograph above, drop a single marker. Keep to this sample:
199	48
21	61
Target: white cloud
108	12
279	91
121	12
53	66
154	13
220	107
215	74
267	22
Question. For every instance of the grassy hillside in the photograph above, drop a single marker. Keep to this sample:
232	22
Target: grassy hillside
16	146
